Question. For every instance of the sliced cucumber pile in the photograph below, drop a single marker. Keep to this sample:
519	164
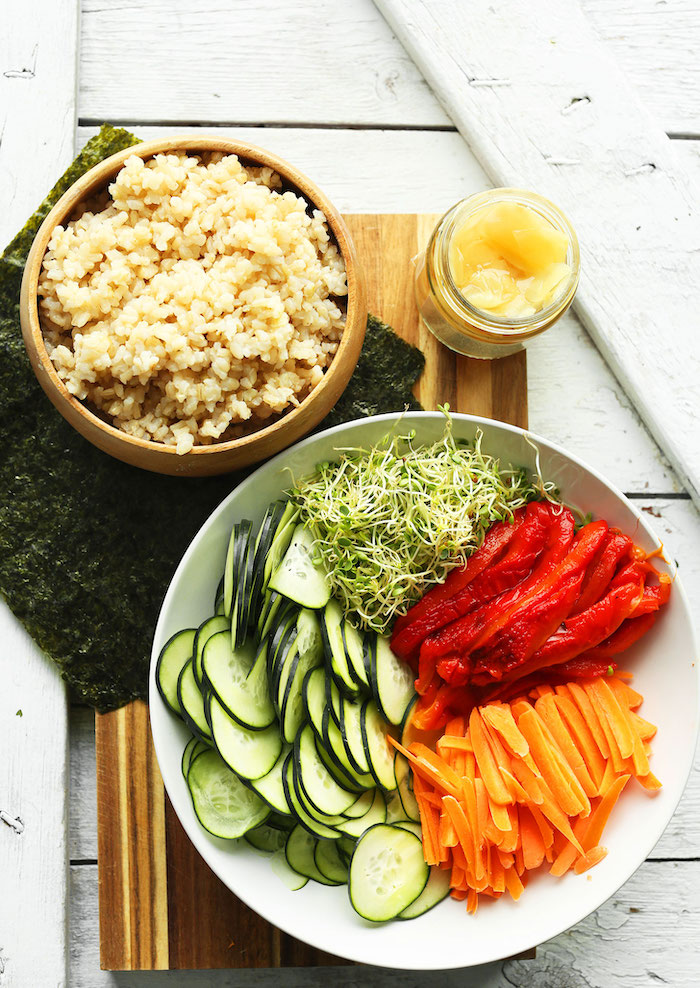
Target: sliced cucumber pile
290	707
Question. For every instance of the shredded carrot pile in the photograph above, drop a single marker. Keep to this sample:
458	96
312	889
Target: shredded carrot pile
532	780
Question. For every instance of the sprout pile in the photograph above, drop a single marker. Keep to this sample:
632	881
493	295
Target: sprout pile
391	520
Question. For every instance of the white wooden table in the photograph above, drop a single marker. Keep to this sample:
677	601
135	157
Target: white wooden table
328	86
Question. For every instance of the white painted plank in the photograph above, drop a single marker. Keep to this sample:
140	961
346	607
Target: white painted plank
689	154
246	62
37	96
263	61
656	44
82	819
574	399
605	162
656	913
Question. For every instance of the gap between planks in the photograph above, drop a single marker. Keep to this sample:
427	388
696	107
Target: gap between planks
129	122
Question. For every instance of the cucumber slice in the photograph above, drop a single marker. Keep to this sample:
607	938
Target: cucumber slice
333	744
263	544
278	653
173	657
292	879
306	820
241	605
212	626
343	778
250	754
329	862
354	649
301	575
223	804
387	872
299	852
231	569
226	670
314	693
331	622
356	826
327	820
361	806
380	756
187	755
437	888
394	811
392	680
252	705
270	786
408	800
191	702
351	731
320	787
266	838
274	604
280	542
309	656
410	825
333	699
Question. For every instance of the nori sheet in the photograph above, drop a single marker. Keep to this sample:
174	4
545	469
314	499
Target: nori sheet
88	545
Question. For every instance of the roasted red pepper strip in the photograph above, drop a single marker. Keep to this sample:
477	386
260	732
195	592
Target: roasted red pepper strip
579	668
522	638
629	632
582	632
601	571
447	701
461	636
654	597
494	544
521	553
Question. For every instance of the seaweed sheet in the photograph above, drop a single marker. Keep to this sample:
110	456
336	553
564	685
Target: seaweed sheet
81	566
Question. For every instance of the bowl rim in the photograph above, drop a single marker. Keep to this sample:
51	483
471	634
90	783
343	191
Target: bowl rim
202	840
104	172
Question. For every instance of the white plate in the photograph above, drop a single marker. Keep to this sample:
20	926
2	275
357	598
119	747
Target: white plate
664	671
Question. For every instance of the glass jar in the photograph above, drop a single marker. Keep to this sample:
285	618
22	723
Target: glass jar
452	318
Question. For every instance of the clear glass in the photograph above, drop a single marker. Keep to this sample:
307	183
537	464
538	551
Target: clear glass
452	318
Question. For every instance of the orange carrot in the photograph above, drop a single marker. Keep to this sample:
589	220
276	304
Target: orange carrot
500	718
582	737
531	839
488	769
599	691
590	858
582	701
547	709
551	767
649	782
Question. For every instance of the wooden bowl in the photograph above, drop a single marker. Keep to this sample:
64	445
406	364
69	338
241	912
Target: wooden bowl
223	456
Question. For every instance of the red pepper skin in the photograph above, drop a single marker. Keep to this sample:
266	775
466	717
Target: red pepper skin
522	638
515	563
654	597
403	639
581	633
629	632
436	714
467	633
578	668
601	571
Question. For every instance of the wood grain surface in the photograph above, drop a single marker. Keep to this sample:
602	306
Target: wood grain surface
160	905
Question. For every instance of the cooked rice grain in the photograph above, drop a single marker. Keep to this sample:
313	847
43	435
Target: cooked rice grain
201	301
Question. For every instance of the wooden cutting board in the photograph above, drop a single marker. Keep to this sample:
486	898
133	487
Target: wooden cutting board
160	905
